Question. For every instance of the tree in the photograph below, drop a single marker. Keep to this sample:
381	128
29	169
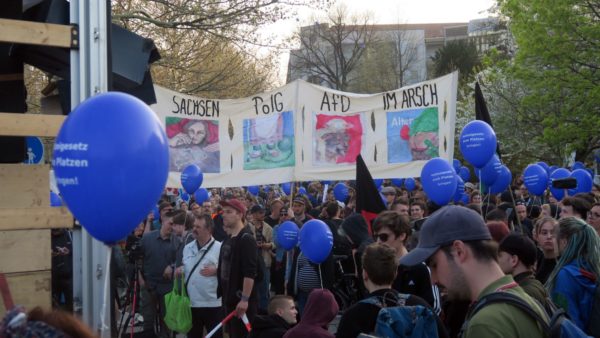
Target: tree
391	62
196	61
235	20
195	64
330	52
558	61
458	55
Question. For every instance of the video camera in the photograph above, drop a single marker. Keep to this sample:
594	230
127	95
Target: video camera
133	247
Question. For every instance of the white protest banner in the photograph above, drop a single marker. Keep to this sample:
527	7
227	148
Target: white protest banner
302	132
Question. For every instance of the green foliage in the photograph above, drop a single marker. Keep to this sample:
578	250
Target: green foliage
557	63
458	55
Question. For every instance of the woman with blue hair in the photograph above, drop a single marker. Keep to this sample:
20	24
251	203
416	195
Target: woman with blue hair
574	280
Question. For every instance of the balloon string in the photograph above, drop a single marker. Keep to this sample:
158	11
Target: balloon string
103	320
320	276
512	197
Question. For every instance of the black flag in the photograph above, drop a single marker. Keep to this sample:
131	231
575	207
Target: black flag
368	199
482	113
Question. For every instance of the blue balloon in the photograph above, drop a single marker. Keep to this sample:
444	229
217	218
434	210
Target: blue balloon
185	196
112	150
464	173
577	165
253	189
545	166
457	165
584	181
398	182
552	169
502	181
55	200
316	241
191	178
326	182
477	143
302	191
378	182
340	191
535	179
410	184
590	171
460	189
439	181
201	196
465	199
491	170
558	174
266	188
287	235
287	188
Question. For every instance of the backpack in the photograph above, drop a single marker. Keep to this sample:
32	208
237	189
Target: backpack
557	326
403	321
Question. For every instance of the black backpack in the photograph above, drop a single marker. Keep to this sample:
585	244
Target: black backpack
556	323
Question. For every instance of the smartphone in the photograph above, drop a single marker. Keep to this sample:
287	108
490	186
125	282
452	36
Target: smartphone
565	183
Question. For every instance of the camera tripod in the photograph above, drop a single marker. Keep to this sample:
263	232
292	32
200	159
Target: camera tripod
131	301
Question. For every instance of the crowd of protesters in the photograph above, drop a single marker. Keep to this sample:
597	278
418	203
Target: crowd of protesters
545	251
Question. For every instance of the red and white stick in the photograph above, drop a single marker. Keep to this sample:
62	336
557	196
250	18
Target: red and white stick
246	322
220	325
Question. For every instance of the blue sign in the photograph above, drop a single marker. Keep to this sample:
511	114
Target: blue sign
35	150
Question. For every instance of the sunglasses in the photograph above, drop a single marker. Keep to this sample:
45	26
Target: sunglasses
382	237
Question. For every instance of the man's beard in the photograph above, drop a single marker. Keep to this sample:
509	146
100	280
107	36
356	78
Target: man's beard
459	287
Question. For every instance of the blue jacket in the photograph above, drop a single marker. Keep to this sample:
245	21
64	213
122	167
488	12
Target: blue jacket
574	292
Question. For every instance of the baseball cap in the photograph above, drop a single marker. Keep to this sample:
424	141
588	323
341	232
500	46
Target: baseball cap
234	203
299	200
388	190
521	246
470	185
444	226
257	208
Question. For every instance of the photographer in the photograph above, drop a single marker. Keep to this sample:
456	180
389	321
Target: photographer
158	250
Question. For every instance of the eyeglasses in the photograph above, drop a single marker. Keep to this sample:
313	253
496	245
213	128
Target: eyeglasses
382	237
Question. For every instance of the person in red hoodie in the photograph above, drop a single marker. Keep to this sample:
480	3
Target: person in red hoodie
321	308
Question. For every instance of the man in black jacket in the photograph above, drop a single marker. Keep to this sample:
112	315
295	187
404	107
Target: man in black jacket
282	316
238	268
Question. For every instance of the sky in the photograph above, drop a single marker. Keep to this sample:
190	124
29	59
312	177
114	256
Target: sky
390	12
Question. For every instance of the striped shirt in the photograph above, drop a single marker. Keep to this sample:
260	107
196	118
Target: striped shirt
307	275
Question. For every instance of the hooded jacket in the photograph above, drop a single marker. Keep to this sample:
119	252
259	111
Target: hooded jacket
272	326
321	308
573	291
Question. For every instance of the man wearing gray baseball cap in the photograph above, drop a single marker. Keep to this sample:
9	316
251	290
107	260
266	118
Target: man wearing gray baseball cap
458	247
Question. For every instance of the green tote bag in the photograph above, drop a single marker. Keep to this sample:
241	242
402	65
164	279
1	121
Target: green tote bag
178	316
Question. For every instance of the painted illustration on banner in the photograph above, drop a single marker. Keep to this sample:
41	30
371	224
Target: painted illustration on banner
269	141
412	135
193	142
338	139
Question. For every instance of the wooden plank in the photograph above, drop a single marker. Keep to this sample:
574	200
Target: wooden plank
24	186
35	33
30	124
30	289
35	218
25	250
